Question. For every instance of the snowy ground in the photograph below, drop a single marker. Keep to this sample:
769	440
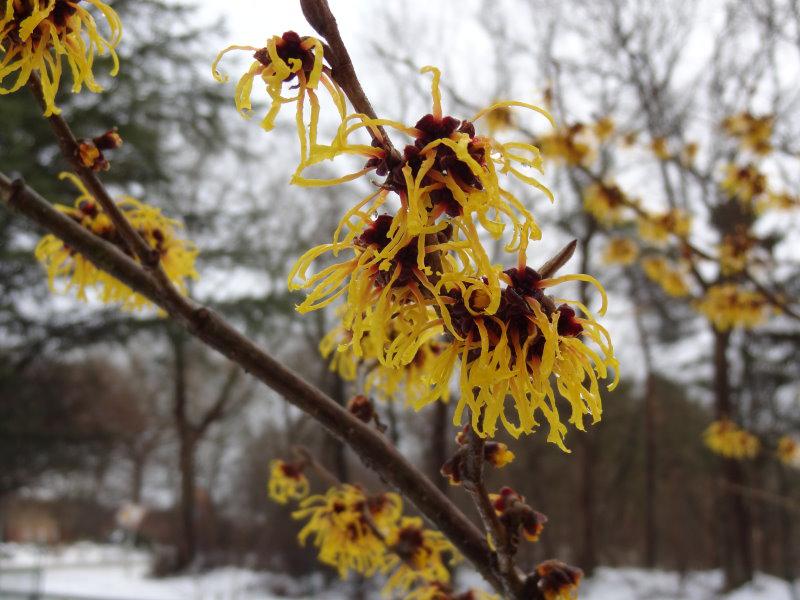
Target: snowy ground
94	572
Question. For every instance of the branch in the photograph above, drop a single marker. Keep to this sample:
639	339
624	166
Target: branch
512	579
70	149
319	16
304	455
218	409
373	448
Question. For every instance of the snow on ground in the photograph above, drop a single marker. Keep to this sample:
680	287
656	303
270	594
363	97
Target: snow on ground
92	571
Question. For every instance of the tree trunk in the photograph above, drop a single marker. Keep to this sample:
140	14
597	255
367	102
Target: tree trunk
735	519
650	481
787	541
187	547
336	448
650	426
137	479
588	551
587	484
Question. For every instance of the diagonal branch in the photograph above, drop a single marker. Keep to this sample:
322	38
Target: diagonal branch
319	16
71	151
373	448
220	406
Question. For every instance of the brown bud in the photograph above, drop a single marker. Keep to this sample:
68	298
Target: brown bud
110	140
361	408
557	579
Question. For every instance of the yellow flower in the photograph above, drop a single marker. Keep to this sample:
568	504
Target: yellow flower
671	279
746	183
177	256
727	439
527	350
788	451
604	128
408	380
778	201
448	173
497	454
349	528
36	35
734	251
500	119
387	314
689	153
726	305
606	202
287	58
286	481
660	148
620	251
657	227
418	554
567	145
753	132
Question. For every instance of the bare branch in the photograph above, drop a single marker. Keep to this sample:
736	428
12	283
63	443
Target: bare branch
373	448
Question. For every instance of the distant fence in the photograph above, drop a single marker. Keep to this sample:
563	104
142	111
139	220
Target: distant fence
25	583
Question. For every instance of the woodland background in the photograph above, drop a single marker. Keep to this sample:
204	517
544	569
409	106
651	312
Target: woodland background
99	408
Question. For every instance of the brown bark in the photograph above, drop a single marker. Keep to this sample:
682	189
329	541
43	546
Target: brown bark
650	426
650	479
735	522
586	498
137	480
187	548
336	448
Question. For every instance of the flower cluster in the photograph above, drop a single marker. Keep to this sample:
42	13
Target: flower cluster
287	481
671	278
606	202
288	58
348	528
727	439
577	144
37	35
420	292
745	183
620	251
368	535
417	554
727	305
515	515
788	451
752	132
177	256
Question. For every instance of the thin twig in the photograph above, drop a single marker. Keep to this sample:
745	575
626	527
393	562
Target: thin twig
319	16
512	579
763	495
305	455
